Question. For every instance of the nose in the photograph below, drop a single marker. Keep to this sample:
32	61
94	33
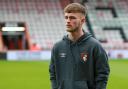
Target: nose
68	20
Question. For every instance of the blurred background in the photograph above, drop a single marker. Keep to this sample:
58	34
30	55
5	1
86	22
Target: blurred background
29	29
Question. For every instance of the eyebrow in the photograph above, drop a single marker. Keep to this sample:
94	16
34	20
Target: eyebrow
71	17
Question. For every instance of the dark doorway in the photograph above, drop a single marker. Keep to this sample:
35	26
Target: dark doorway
14	36
12	42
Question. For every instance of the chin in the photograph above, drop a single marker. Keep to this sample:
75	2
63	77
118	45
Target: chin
70	30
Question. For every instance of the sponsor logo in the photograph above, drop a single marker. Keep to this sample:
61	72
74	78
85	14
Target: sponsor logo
62	55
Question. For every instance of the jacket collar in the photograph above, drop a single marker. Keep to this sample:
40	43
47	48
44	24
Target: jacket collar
84	37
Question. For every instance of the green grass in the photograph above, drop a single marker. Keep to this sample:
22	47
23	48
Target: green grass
118	75
24	75
35	75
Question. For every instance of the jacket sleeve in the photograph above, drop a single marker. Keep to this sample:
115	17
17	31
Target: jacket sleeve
52	71
102	69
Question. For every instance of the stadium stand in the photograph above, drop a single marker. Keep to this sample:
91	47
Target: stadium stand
109	22
43	17
45	20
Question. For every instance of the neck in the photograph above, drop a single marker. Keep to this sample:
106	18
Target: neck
74	36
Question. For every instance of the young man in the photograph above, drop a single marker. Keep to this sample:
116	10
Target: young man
78	61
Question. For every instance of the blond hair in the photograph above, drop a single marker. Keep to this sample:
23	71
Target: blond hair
75	8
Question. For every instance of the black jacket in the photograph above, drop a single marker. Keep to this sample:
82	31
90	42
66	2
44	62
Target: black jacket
79	65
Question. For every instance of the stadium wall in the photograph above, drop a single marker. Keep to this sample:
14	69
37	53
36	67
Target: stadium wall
45	55
3	56
114	54
28	55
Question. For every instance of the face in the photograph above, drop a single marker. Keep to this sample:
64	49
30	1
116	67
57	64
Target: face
74	21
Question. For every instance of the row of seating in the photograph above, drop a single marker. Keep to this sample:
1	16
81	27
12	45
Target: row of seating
45	20
104	18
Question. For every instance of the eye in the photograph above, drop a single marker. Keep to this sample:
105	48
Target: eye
66	17
72	17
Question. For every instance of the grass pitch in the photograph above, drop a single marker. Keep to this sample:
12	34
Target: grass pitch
119	74
35	75
24	75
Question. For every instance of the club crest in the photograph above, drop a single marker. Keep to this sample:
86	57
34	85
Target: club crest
84	56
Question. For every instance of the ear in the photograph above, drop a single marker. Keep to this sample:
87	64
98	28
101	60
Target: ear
83	20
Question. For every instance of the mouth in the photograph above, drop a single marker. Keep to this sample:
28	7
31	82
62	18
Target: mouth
68	26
